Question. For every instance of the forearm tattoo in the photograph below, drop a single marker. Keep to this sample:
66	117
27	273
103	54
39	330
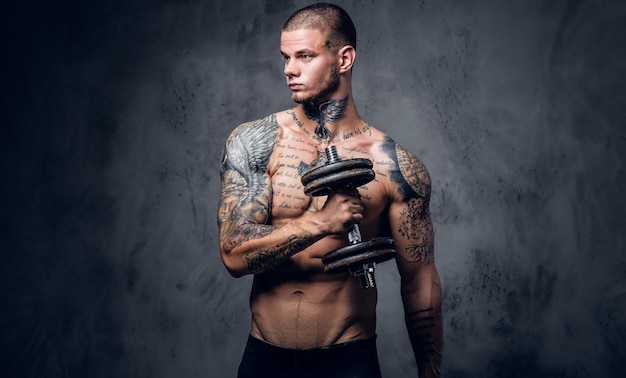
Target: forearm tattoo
260	261
245	232
424	327
330	111
413	183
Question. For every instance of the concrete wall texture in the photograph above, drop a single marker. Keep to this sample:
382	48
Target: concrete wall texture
114	114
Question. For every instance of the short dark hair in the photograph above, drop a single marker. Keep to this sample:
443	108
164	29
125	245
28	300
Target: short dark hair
328	18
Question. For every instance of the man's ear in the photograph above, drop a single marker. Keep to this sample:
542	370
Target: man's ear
346	55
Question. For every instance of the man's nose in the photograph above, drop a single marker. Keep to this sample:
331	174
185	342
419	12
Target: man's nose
291	68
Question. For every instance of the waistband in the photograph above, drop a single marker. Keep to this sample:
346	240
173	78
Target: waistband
334	348
351	359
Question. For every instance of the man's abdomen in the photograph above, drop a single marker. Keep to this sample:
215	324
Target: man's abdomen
310	311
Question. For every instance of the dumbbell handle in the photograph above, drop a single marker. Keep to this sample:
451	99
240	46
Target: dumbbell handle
364	272
354	234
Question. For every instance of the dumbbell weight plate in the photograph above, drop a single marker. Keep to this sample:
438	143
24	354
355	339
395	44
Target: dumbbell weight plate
352	178
375	250
322	180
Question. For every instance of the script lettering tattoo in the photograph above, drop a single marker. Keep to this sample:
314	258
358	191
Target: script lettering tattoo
413	182
330	111
423	322
365	130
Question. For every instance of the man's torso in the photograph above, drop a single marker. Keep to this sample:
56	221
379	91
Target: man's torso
297	305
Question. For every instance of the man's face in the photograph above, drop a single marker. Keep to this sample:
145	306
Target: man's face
310	67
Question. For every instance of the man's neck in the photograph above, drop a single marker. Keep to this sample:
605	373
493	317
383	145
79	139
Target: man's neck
331	111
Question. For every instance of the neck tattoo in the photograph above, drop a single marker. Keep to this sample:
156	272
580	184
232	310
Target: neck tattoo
330	111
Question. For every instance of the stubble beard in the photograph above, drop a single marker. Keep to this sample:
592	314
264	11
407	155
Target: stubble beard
330	86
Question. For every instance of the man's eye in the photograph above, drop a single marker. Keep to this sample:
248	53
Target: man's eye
306	57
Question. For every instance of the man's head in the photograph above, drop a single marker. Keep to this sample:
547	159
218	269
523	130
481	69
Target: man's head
331	20
318	43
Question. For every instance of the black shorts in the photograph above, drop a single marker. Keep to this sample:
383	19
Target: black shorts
355	359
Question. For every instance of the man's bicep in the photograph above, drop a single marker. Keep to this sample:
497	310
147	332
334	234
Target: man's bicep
412	230
238	210
410	220
246	185
233	190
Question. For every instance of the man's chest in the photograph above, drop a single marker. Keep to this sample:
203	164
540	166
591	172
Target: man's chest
292	158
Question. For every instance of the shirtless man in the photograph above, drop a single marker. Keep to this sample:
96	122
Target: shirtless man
306	322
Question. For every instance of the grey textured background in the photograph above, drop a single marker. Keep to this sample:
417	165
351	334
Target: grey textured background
113	117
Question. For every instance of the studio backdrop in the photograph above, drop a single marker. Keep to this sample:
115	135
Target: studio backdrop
114	114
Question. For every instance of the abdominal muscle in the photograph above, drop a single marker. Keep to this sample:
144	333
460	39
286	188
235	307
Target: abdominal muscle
298	306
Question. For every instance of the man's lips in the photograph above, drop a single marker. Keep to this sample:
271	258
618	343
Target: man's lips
295	86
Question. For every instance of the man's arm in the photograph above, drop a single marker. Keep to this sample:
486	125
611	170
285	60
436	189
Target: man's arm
412	229
248	243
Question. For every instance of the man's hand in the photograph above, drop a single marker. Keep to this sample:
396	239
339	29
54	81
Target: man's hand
343	208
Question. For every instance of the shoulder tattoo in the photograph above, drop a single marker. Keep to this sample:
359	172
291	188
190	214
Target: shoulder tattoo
414	172
247	152
411	175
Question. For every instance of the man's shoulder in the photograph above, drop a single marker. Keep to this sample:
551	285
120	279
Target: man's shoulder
406	169
260	133
264	123
274	122
265	127
397	152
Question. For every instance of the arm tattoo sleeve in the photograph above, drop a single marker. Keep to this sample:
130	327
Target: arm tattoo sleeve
413	183
247	155
246	195
417	228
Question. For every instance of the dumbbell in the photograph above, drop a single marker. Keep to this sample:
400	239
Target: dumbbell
359	258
